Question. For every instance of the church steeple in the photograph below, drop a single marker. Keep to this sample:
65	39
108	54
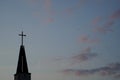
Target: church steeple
22	62
22	72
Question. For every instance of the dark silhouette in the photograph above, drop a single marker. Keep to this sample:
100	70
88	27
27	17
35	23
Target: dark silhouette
22	72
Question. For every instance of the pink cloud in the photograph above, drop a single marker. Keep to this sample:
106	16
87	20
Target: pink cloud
85	55
107	27
86	39
86	50
115	15
96	20
114	65
109	24
68	11
48	5
71	10
103	30
49	20
102	71
105	73
75	72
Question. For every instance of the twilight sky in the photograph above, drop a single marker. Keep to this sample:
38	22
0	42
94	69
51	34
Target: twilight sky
66	39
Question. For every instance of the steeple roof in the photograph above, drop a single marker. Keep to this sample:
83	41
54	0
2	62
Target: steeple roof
22	61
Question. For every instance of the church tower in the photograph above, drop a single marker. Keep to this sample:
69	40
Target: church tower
22	72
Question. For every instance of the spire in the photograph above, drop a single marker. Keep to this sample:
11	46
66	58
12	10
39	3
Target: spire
22	61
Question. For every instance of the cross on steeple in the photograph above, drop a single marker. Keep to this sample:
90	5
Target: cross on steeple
22	72
22	35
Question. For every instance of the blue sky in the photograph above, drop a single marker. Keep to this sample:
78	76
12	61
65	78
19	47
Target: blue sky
66	39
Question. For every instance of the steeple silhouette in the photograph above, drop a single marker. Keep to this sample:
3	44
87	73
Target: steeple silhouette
22	62
22	72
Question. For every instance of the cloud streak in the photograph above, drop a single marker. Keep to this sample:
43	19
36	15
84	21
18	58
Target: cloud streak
109	70
96	20
47	4
86	39
107	27
71	10
49	20
85	55
115	15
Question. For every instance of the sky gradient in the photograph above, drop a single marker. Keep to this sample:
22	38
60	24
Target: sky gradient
66	39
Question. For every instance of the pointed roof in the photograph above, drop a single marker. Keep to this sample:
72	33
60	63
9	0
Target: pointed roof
22	61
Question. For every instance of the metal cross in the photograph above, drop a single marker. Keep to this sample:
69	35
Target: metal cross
22	35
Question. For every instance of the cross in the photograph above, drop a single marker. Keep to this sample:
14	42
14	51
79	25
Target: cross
22	35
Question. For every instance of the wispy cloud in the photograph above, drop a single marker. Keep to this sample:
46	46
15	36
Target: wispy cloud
107	27
48	7
48	4
84	55
71	10
87	39
115	15
49	11
49	20
96	20
109	70
108	24
103	30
